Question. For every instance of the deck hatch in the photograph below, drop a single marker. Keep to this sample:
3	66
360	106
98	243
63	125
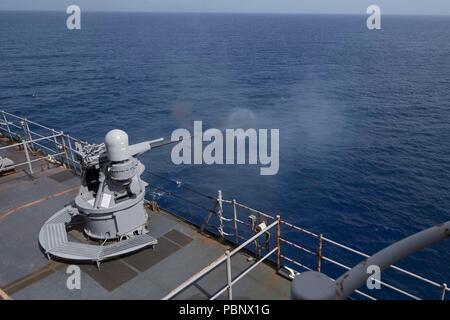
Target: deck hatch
112	274
178	237
115	273
62	176
145	259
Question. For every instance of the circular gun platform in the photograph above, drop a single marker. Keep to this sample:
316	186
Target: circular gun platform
54	240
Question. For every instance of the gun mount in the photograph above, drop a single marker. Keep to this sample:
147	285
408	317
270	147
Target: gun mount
313	285
110	202
112	193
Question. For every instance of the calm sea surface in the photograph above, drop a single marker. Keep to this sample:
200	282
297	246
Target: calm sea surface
364	116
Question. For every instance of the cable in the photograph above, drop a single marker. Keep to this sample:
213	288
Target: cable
181	185
183	198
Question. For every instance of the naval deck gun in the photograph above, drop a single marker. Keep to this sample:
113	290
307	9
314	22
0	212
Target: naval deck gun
110	202
112	194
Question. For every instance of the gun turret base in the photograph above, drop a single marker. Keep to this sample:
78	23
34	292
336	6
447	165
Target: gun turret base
54	240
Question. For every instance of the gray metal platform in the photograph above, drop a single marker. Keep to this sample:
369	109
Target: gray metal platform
54	240
27	201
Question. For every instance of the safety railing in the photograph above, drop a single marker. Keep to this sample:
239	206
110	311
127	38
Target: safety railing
442	289
227	258
38	142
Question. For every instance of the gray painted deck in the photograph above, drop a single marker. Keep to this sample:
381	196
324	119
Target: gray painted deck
27	201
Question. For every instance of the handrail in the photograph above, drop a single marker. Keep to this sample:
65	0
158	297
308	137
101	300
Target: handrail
50	142
216	263
244	273
322	239
29	121
30	141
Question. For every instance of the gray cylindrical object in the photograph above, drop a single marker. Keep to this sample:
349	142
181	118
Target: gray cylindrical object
116	142
313	285
356	277
124	170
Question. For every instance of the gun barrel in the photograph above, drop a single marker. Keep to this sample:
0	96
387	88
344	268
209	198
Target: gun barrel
140	148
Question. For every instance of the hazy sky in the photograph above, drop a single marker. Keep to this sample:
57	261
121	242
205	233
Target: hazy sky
441	7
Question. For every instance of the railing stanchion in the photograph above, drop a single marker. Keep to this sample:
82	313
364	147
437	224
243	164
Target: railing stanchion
28	135
236	234
25	136
66	163
220	213
71	152
7	126
25	148
319	252
444	290
229	280
278	242
56	142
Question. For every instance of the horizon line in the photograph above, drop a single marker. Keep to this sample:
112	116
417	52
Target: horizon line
232	12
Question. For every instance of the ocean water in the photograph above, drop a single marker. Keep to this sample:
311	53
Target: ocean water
364	116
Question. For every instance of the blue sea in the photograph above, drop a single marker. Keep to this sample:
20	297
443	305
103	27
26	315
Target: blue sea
364	116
